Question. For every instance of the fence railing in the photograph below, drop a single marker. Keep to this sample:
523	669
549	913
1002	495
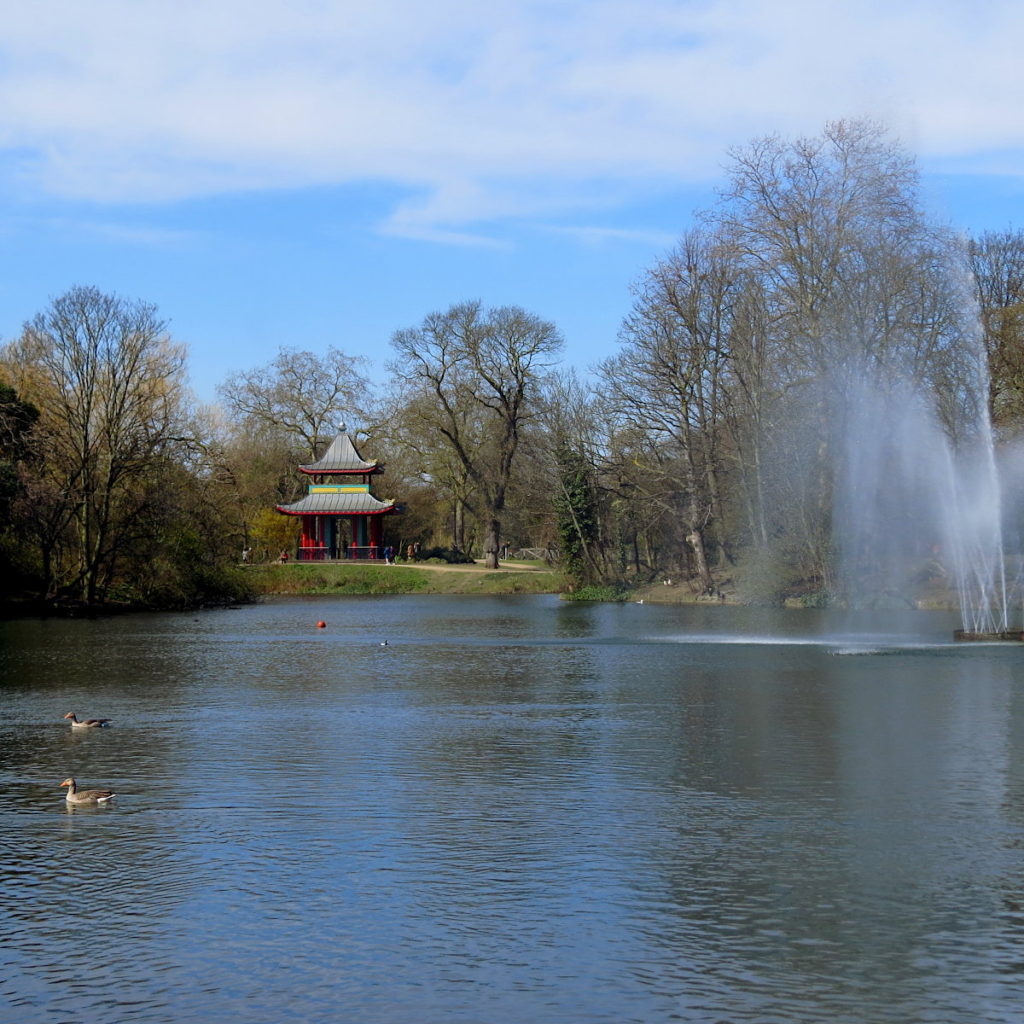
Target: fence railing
353	553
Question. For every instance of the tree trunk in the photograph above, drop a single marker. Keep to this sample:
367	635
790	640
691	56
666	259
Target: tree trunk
696	541
46	553
458	525
491	543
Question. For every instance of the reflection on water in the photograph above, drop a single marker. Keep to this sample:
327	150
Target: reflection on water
516	810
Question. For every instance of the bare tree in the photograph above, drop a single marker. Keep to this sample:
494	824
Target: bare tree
846	282
300	394
812	217
253	465
108	382
997	265
472	374
667	380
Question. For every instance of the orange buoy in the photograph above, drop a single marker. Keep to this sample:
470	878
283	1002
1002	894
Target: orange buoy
321	624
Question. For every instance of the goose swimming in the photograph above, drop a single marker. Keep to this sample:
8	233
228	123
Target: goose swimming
88	723
86	796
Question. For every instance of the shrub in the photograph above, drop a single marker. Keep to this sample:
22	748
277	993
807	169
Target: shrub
597	593
450	556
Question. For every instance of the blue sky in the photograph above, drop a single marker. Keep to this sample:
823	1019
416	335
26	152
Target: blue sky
324	172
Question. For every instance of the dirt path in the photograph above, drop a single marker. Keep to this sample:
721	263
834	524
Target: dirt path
477	566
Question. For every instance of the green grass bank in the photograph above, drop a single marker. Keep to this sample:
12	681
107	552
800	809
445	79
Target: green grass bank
401	579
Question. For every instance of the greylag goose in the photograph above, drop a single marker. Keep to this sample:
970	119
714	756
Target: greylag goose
89	723
85	796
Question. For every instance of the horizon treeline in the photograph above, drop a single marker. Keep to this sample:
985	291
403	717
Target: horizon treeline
707	449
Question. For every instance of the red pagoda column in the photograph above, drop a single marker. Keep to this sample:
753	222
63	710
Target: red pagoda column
376	535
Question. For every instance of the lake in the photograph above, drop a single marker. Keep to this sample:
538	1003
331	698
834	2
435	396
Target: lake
508	810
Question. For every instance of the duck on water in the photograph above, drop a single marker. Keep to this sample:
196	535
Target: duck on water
86	796
87	723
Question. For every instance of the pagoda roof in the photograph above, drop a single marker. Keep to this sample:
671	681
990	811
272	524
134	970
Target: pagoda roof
341	457
352	504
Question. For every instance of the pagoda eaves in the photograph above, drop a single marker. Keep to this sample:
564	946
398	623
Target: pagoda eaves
341	457
332	503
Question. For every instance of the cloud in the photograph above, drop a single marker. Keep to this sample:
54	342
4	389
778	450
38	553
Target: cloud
119	233
481	112
598	236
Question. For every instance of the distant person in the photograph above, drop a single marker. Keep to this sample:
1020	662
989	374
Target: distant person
283	557
388	554
246	554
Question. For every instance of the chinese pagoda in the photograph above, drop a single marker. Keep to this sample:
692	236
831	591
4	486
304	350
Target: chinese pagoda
339	494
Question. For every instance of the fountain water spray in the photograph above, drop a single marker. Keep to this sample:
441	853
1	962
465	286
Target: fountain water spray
918	493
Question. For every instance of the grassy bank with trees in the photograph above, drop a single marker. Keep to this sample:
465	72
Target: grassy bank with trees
707	450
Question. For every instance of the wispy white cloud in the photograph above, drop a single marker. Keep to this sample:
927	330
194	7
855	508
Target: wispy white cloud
122	233
468	106
598	236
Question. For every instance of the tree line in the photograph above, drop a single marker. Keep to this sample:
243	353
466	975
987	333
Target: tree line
704	449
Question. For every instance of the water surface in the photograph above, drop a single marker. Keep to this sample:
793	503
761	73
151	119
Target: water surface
516	810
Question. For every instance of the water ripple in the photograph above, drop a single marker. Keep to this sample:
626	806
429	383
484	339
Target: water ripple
506	818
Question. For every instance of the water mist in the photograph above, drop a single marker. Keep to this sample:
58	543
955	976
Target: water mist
912	504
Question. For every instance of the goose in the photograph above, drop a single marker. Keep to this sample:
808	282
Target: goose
86	796
89	723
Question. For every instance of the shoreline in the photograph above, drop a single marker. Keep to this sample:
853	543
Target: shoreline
270	579
402	578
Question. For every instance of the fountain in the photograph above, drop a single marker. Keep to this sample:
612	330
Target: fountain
918	489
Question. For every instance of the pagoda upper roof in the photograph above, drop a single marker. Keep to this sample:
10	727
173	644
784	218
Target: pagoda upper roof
335	504
342	457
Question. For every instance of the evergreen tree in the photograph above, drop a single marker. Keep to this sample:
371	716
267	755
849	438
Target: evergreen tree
577	515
